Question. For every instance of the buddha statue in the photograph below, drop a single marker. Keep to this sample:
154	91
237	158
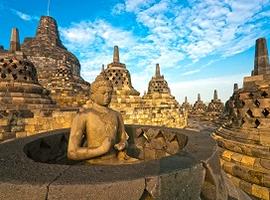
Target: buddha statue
97	133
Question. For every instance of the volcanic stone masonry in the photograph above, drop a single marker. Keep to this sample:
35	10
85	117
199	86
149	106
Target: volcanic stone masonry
41	88
245	141
229	109
199	107
215	107
25	106
186	106
158	101
157	107
58	69
125	97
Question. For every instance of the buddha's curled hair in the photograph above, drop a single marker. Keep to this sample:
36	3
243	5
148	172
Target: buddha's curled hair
100	81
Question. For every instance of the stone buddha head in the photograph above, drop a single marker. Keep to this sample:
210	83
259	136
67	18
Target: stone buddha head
101	90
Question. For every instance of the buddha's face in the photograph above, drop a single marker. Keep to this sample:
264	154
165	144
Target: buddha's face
102	96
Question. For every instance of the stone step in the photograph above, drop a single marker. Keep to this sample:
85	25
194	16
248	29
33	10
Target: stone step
251	189
247	174
258	164
239	137
247	149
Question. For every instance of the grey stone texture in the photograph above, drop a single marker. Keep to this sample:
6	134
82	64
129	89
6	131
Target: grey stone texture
261	61
179	176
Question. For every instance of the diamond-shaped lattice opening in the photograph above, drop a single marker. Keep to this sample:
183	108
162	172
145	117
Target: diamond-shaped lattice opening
264	94
251	95
242	121
3	75
257	103
265	112
146	195
243	103
250	114
257	123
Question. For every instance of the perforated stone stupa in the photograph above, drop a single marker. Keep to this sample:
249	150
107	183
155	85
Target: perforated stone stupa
25	105
157	107
215	107
58	69
199	107
186	106
161	104
125	97
229	108
245	141
120	76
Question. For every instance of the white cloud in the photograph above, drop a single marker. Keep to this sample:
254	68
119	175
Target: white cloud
174	33
136	5
24	16
203	28
190	72
94	41
118	9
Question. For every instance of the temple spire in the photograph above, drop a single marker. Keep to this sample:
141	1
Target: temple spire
14	40
199	97
215	95
116	54
157	70
47	31
235	87
261	62
102	68
186	99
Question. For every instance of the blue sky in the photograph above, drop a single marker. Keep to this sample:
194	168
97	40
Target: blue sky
201	45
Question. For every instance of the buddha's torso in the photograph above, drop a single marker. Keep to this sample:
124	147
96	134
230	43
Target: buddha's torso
100	125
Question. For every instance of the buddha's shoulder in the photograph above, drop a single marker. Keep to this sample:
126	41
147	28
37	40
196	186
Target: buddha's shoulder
87	112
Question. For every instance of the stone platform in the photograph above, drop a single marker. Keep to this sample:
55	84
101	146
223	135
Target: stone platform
184	175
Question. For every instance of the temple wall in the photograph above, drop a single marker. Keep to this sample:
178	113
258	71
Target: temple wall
159	109
19	124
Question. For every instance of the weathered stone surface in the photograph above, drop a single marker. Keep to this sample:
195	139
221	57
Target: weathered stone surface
186	106
199	107
157	107
121	190
244	140
175	177
58	70
215	107
261	62
14	41
22	191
